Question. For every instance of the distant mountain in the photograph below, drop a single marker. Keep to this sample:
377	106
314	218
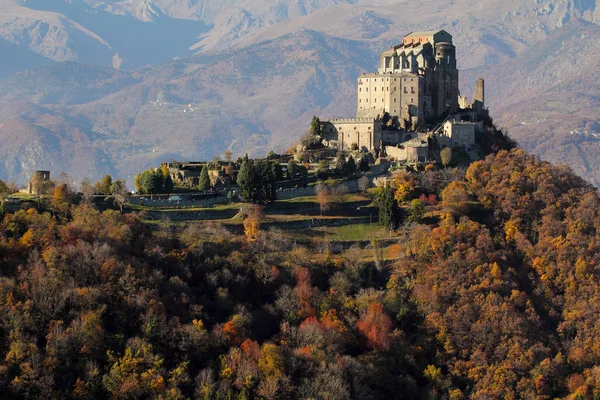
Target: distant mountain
548	98
149	80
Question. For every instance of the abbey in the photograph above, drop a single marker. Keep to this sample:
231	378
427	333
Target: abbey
417	79
414	93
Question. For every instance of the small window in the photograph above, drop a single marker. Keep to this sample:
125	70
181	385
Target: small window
412	89
395	100
405	89
375	89
412	101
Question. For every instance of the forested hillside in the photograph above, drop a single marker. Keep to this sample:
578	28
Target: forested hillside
496	300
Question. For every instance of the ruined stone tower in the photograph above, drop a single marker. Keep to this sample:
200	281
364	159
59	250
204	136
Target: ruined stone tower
480	92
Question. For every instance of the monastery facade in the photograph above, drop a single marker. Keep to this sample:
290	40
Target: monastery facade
416	88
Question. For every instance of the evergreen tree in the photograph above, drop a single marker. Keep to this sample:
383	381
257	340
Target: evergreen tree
322	170
257	181
350	166
388	208
246	181
340	164
204	183
152	181
315	127
104	185
363	164
292	169
168	184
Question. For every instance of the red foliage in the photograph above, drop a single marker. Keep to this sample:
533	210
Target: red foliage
376	326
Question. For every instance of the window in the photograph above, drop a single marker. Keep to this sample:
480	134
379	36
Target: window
375	89
360	89
375	100
395	100
412	100
367	89
412	89
382	100
405	90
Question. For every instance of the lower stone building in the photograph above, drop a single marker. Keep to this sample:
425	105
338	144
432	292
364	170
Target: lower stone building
459	133
359	133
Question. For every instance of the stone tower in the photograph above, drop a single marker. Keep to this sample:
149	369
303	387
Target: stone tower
480	92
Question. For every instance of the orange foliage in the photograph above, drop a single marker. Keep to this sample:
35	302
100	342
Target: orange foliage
376	326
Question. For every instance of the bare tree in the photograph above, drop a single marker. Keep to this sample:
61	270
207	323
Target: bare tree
363	184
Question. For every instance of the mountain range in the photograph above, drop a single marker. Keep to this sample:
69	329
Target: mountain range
90	87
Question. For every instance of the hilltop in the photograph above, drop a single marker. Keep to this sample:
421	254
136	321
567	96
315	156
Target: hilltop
509	44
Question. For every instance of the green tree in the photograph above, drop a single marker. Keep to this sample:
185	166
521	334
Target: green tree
417	210
363	164
292	169
351	166
104	185
168	185
246	181
322	170
257	180
341	165
152	181
446	156
315	127
388	208
204	182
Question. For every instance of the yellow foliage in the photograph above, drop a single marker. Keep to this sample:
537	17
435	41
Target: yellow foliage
511	229
496	271
272	362
432	373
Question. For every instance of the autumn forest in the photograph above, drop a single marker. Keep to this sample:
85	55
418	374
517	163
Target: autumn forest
496	299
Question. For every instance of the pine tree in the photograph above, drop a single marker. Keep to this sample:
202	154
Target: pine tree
350	166
315	127
340	164
388	208
168	184
204	183
363	164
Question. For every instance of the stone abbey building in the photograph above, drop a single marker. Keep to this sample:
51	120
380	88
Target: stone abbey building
417	79
416	88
